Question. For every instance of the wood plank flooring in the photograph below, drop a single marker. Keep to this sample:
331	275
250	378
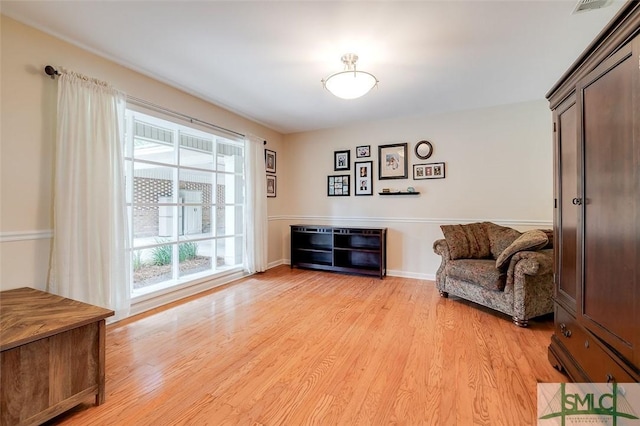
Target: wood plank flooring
295	347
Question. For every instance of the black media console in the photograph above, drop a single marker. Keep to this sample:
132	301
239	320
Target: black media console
360	251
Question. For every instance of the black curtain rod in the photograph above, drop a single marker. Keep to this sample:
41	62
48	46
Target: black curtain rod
52	72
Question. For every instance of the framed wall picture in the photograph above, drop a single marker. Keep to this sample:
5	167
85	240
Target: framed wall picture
271	186
363	177
392	161
341	160
428	171
424	150
338	186
270	160
363	151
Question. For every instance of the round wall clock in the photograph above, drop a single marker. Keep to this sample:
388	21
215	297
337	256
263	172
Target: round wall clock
423	150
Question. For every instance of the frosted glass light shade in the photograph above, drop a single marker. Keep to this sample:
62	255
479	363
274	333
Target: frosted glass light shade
350	84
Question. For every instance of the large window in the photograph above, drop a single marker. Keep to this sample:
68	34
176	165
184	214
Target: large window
185	195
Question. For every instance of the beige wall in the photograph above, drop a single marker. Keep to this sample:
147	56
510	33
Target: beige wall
498	163
498	168
28	135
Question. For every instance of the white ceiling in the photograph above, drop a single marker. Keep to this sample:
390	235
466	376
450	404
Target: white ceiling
265	59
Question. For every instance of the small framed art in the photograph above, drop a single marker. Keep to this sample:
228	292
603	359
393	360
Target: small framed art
270	161
341	160
392	161
363	151
428	171
271	186
363	173
424	150
338	186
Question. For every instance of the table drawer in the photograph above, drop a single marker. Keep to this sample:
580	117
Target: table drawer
588	351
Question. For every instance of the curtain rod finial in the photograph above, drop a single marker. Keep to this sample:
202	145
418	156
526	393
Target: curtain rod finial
51	71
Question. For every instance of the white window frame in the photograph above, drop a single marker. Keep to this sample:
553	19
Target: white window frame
237	238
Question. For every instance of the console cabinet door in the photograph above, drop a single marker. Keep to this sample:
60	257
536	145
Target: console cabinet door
610	191
566	210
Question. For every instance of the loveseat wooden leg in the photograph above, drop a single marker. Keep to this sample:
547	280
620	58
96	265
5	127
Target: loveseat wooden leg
520	322
444	294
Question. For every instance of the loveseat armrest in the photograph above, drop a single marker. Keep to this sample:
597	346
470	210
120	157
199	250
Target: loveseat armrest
539	262
530	279
440	247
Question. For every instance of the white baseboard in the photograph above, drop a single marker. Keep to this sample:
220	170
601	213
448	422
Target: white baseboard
390	272
277	263
413	275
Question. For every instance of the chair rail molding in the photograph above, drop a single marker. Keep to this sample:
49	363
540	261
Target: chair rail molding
8	237
437	221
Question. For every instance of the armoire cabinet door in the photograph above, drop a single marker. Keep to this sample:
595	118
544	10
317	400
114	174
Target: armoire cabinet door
608	98
566	211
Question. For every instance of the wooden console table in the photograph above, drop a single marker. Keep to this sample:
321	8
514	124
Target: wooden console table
52	353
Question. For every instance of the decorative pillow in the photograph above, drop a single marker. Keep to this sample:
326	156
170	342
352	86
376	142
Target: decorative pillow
549	233
468	241
530	240
500	237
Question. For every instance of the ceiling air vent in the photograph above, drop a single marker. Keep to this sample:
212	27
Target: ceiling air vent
586	5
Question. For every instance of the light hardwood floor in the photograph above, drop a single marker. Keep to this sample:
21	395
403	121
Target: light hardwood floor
293	347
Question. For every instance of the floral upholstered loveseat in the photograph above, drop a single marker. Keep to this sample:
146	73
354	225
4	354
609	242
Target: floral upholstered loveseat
498	267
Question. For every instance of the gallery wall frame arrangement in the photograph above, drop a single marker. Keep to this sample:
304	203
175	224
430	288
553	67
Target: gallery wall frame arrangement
363	177
342	160
392	161
270	161
363	151
271	186
429	171
338	186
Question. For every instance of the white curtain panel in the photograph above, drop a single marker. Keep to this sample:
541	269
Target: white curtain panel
256	206
90	256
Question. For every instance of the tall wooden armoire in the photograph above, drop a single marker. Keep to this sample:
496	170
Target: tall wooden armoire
596	121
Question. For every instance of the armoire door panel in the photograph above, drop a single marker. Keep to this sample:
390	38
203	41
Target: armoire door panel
567	213
610	202
636	178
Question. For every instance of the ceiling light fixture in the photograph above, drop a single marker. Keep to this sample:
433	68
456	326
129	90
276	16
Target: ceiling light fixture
350	83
